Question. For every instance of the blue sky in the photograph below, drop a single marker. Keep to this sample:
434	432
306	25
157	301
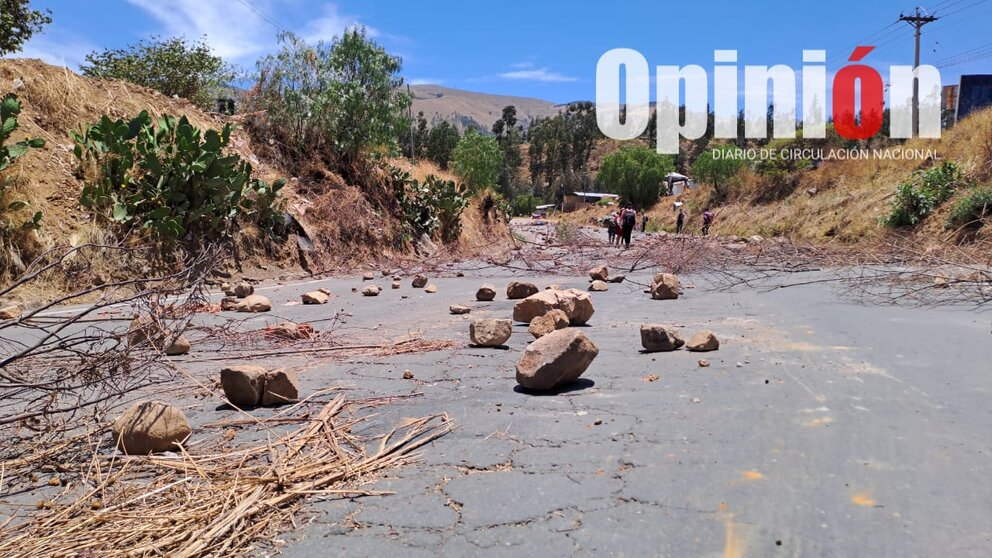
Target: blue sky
545	49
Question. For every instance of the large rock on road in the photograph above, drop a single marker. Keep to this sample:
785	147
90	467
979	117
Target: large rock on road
150	427
576	304
555	360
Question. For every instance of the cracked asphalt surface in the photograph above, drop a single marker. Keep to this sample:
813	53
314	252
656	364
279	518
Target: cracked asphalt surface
821	428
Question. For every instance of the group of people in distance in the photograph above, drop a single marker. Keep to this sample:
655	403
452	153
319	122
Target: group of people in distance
620	224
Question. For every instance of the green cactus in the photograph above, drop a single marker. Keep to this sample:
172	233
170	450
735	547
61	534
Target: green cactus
10	109
170	178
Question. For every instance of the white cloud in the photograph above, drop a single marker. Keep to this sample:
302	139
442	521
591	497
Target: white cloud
57	48
242	31
537	74
332	24
233	30
425	81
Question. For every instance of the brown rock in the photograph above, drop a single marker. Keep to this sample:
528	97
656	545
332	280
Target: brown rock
599	286
490	332
517	290
315	297
396	285
407	375
289	330
617	278
371	290
703	363
419	281
485	293
703	341
243	385
229	304
325	290
656	338
146	329
368	276
280	387
556	359
254	303
227	288
244	289
599	273
665	287
178	347
458	309
576	304
542	325
149	427
430	289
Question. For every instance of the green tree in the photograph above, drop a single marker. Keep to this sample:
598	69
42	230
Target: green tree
636	173
18	23
441	142
715	167
560	148
329	100
367	94
508	135
477	159
175	66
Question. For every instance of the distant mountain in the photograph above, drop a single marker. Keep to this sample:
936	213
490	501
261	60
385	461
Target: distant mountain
468	108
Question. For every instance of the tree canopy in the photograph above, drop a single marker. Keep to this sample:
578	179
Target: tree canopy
477	159
18	23
343	97
174	66
636	173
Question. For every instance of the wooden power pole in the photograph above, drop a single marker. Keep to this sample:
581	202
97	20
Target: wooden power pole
917	20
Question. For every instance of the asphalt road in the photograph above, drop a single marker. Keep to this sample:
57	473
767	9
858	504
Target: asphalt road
822	428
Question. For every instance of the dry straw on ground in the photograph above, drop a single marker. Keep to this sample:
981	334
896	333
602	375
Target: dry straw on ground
211	501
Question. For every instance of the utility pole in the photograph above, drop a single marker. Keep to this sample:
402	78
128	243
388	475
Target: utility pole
409	113
917	20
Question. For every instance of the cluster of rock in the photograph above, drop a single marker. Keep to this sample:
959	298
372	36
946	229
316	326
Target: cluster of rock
146	330
249	386
575	303
660	338
242	298
560	354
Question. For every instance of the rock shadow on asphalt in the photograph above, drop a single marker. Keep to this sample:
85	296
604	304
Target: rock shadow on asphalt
578	385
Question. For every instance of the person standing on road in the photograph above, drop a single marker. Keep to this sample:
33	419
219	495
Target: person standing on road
629	221
680	222
618	226
644	222
707	221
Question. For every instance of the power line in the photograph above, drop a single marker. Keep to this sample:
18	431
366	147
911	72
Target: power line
270	20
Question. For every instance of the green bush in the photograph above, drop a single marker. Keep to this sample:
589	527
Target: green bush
10	108
477	159
923	194
170	179
175	66
972	210
431	206
524	206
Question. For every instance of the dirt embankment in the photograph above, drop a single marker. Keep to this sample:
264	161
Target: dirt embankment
346	227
